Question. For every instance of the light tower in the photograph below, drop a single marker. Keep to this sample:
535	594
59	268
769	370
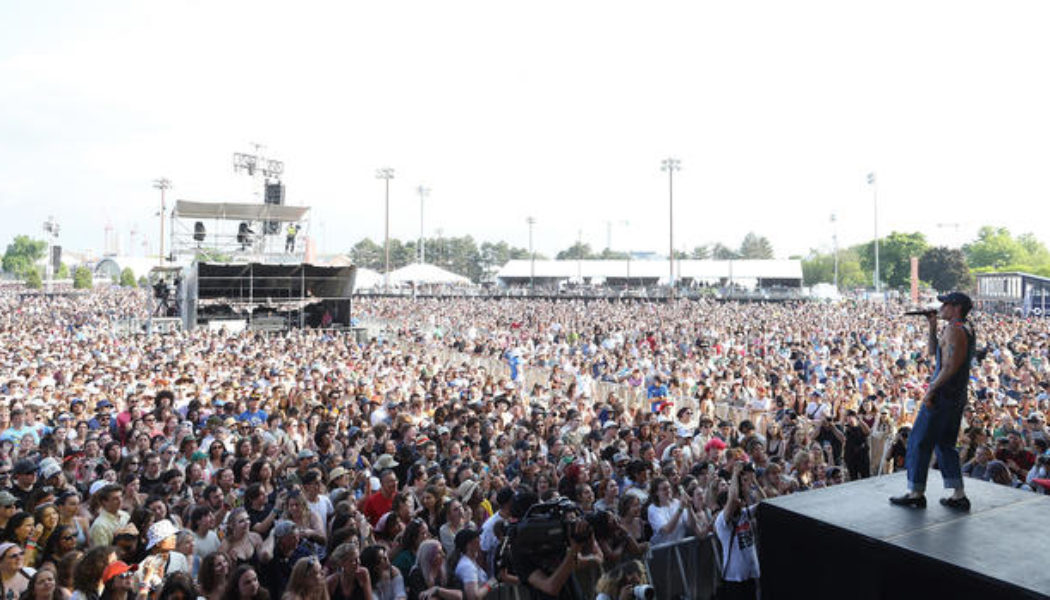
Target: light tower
162	184
386	174
670	165
875	203
532	255
423	193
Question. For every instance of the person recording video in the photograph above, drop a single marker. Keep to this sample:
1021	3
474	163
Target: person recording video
735	528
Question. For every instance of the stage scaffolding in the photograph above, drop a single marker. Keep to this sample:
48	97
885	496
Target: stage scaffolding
238	232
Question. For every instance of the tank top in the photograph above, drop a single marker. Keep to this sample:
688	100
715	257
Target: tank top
955	389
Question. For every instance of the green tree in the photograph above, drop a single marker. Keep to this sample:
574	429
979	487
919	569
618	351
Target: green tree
63	271
722	252
578	251
82	278
368	254
945	269
895	253
143	282
994	247
33	280
22	254
700	253
608	254
127	278
820	268
755	247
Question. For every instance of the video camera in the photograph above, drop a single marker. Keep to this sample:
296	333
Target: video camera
546	530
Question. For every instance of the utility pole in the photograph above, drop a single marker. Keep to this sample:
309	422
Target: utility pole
875	202
532	254
423	193
162	184
835	246
386	174
670	165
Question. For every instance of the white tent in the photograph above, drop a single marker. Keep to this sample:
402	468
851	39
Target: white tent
425	274
367	278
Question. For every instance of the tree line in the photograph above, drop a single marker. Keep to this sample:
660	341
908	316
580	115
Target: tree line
463	255
940	267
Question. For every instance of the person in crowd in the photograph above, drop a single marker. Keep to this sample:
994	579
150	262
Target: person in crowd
215	568
43	585
110	517
307	581
241	544
87	575
387	581
14	575
244	584
429	579
64	573
350	580
118	581
282	551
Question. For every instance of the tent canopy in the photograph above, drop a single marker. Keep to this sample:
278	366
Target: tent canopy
423	273
236	211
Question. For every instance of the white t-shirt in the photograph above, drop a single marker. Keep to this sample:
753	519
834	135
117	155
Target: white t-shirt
468	571
322	508
740	562
659	516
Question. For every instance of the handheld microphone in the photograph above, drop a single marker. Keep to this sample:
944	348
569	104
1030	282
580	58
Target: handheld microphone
920	313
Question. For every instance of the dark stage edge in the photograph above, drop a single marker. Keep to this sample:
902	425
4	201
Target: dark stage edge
847	541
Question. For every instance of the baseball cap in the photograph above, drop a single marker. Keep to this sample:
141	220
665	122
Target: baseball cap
958	298
7	499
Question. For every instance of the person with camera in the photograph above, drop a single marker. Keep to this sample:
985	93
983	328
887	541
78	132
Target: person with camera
560	583
625	582
735	529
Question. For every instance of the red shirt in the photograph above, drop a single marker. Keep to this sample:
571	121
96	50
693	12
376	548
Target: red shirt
376	506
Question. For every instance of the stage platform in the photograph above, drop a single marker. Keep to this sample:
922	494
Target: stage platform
848	541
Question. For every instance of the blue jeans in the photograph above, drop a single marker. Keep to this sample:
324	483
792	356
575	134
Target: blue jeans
935	430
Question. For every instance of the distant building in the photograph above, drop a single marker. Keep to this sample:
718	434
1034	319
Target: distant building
1013	292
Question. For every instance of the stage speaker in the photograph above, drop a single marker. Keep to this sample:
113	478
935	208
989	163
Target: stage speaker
198	232
274	195
56	258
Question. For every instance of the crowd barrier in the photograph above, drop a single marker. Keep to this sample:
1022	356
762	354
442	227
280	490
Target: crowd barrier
688	568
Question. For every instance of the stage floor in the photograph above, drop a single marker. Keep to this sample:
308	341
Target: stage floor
1004	537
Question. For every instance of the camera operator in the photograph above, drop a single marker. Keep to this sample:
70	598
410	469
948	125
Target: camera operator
559	583
734	526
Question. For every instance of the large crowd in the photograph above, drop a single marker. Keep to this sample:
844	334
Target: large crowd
310	466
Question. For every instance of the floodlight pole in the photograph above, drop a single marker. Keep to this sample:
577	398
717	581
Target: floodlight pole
386	174
162	184
423	193
670	165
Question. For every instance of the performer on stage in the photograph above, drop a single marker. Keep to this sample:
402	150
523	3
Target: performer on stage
936	428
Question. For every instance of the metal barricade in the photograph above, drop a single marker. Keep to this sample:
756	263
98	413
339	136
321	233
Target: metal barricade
685	569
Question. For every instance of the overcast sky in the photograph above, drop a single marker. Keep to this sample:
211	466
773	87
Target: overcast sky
558	110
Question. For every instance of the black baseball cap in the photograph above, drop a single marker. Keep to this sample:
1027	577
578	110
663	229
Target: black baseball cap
957	298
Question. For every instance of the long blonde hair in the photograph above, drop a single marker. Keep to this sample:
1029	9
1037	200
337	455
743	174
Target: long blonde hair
299	586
